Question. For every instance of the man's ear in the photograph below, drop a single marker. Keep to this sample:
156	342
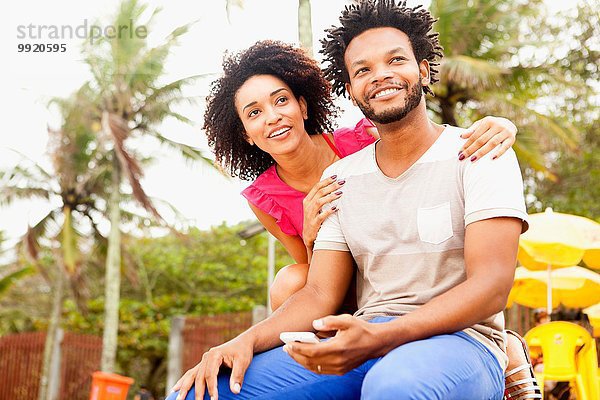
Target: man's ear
349	91
425	72
303	107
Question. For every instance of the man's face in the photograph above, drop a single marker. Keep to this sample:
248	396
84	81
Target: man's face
386	81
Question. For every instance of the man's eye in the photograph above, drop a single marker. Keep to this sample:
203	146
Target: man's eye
398	59
360	71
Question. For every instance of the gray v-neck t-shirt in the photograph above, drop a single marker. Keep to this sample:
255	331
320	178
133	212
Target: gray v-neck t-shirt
406	234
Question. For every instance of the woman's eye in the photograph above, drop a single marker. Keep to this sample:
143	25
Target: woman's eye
281	100
253	113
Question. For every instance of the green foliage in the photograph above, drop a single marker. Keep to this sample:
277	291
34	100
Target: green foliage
493	66
8	279
577	189
196	273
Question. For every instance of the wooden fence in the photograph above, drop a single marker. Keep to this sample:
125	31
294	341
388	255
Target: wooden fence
80	357
21	365
202	333
191	337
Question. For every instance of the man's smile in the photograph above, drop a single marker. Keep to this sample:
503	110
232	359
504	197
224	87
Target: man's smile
385	92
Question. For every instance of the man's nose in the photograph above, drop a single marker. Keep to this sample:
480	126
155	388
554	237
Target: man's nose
381	74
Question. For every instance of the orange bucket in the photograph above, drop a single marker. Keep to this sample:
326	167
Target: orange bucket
106	386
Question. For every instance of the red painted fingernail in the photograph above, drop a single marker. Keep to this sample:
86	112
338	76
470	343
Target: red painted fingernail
473	158
334	208
493	158
461	156
341	182
333	176
338	192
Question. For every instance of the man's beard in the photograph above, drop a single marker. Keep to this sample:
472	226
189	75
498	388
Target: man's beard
412	100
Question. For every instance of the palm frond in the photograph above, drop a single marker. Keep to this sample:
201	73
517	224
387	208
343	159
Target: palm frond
32	168
566	132
471	73
39	230
117	128
7	281
11	194
230	4
186	152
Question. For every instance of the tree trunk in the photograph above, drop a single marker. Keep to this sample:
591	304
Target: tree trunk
113	274
448	116
44	393
305	26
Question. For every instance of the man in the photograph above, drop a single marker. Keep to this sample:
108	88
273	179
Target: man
435	241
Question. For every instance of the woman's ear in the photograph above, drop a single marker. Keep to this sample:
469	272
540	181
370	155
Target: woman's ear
303	107
248	139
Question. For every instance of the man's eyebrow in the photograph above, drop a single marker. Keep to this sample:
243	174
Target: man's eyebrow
357	63
273	93
398	49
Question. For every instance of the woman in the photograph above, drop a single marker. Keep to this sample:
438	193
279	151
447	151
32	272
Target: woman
268	119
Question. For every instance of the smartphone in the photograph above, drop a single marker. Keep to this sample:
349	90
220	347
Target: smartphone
302	337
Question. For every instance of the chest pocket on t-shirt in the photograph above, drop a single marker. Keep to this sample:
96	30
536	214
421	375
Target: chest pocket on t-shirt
435	223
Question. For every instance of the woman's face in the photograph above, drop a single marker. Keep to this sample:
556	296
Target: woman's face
272	116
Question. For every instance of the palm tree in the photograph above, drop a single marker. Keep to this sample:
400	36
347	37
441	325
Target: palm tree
481	73
305	35
132	102
80	175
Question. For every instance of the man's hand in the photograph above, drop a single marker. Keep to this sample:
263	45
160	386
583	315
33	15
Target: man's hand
236	354
355	342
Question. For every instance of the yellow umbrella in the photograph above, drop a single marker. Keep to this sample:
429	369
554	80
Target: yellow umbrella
556	240
560	240
591	232
575	287
593	313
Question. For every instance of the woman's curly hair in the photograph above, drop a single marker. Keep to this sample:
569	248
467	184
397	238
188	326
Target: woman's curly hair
415	22
224	129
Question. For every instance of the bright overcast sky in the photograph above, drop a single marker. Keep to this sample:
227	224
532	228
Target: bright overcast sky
202	195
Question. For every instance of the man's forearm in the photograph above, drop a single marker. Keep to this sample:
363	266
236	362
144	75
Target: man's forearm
328	280
296	314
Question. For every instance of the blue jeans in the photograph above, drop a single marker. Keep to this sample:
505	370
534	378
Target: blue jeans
448	367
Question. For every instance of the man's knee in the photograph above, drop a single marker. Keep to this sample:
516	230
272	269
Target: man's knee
288	281
402	383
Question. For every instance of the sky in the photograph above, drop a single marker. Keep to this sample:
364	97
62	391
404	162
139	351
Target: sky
204	196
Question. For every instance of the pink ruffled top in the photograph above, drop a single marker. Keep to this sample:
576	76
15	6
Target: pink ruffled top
284	203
